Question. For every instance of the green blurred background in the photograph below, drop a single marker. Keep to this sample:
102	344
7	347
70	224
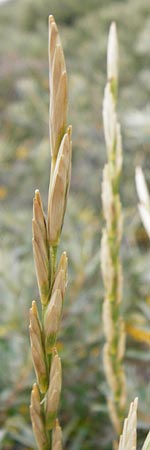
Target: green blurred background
24	166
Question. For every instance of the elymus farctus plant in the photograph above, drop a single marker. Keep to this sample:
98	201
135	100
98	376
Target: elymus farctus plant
111	239
51	275
110	258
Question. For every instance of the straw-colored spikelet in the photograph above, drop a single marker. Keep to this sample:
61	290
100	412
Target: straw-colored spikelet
59	189
112	58
57	437
51	277
54	390
110	245
37	349
128	439
52	320
58	89
144	199
40	248
38	420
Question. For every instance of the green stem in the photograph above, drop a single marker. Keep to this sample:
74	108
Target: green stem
53	256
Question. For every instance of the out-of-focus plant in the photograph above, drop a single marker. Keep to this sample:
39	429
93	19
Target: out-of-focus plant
128	439
51	275
111	239
144	199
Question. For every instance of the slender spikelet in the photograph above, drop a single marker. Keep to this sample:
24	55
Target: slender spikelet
60	282
57	437
37	420
58	89
59	189
128	439
37	349
144	199
51	276
40	249
52	320
111	239
63	264
112	58
54	390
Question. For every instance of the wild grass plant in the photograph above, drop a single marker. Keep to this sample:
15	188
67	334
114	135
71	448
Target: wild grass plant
114	326
110	247
52	276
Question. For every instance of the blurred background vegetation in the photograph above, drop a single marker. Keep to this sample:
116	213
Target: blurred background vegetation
24	166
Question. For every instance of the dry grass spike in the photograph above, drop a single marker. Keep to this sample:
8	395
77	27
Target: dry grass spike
51	275
111	239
